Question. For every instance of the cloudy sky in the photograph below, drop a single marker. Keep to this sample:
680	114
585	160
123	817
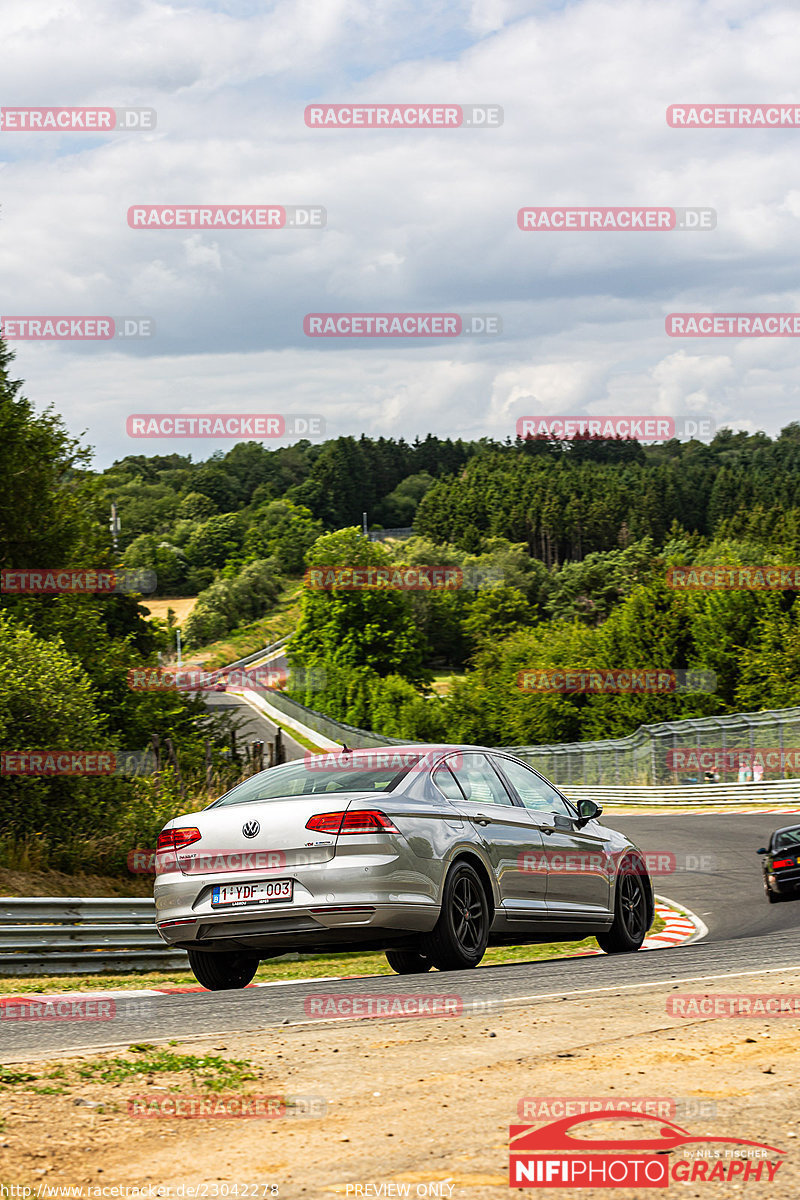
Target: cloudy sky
417	220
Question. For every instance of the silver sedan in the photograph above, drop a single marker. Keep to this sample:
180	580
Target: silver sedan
430	853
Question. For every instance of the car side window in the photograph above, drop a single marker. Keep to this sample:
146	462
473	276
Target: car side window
534	791
443	778
480	783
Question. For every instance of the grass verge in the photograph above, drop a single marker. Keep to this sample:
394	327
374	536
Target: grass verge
142	1061
281	620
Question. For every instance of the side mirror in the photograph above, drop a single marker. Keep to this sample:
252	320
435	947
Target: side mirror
587	811
762	850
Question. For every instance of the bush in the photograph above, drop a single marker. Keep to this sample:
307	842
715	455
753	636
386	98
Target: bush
229	603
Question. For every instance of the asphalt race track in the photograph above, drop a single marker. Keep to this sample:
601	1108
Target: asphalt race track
253	725
746	935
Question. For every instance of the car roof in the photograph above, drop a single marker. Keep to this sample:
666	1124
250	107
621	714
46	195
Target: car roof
420	748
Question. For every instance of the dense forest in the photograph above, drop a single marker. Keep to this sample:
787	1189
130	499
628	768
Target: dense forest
564	548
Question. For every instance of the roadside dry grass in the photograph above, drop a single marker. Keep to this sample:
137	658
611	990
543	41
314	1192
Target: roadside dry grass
57	883
180	605
282	619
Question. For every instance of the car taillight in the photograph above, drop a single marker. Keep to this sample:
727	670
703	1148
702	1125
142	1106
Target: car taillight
176	839
783	862
354	821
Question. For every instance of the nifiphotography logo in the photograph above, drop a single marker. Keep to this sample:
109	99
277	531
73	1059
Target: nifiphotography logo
561	1155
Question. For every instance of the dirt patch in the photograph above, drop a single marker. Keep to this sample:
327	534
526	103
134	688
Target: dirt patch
180	605
417	1101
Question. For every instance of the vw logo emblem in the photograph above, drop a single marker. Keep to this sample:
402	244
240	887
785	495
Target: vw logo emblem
250	828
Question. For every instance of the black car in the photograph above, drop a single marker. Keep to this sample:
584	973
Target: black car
782	863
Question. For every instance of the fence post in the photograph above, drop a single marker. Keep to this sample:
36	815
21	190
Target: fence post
780	745
174	760
258	757
280	756
209	767
156	743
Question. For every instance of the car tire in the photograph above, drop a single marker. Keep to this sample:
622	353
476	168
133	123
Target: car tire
773	897
458	940
224	971
631	911
408	962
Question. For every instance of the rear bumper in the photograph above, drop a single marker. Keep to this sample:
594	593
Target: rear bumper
784	881
280	928
329	908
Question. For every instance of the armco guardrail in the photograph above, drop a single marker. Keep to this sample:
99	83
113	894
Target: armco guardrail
711	795
317	722
251	658
657	755
56	935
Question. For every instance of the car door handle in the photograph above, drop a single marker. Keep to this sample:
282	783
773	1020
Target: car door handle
480	819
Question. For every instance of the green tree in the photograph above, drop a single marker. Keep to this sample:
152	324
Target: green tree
284	531
343	629
196	507
497	613
43	522
215	541
229	603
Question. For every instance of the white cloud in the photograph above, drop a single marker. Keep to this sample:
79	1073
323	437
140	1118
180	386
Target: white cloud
416	221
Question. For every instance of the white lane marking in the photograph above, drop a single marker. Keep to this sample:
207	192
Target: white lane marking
519	1001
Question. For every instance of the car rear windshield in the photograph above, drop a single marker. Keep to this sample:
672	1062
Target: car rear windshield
788	837
312	777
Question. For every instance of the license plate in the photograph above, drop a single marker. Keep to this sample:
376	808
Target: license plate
236	894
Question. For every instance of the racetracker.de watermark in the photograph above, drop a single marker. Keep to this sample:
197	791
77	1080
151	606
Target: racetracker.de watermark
77	762
408	579
733	116
554	1108
403	116
82	120
402	325
580	862
615	679
734	1004
225	1107
769	578
621	425
100	581
76	329
57	1008
729	325
330	1005
630	219
227	216
158	862
380	760
732	758
224	425
195	679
